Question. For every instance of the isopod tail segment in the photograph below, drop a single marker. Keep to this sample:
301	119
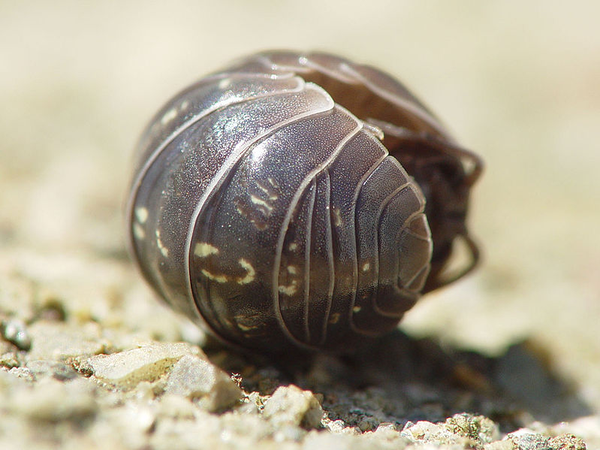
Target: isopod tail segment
446	173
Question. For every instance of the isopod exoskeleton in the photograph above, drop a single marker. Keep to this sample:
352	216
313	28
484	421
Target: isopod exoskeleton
298	200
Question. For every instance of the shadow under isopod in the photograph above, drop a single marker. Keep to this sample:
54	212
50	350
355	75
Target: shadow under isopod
402	379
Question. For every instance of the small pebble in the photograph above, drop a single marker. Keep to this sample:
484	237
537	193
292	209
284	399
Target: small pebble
23	373
387	430
124	370
368	423
292	405
9	360
528	440
424	432
567	442
56	369
197	378
480	429
15	332
336	426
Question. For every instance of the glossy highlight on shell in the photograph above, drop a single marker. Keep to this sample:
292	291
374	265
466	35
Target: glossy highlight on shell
298	201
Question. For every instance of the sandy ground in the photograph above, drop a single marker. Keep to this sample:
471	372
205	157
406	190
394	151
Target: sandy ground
516	82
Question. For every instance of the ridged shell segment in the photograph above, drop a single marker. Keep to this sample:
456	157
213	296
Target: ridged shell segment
275	215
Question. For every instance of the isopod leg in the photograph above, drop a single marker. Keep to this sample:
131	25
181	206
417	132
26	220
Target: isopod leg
474	256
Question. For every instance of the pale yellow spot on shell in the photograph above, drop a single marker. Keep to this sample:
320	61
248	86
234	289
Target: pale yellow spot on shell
259	201
217	278
271	193
141	214
185	105
293	246
356	309
202	250
366	266
335	318
164	250
138	231
292	270
250	272
290	289
168	116
243	327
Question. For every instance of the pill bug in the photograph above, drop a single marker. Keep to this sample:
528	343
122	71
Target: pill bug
298	200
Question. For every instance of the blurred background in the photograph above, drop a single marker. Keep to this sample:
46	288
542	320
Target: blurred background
517	82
